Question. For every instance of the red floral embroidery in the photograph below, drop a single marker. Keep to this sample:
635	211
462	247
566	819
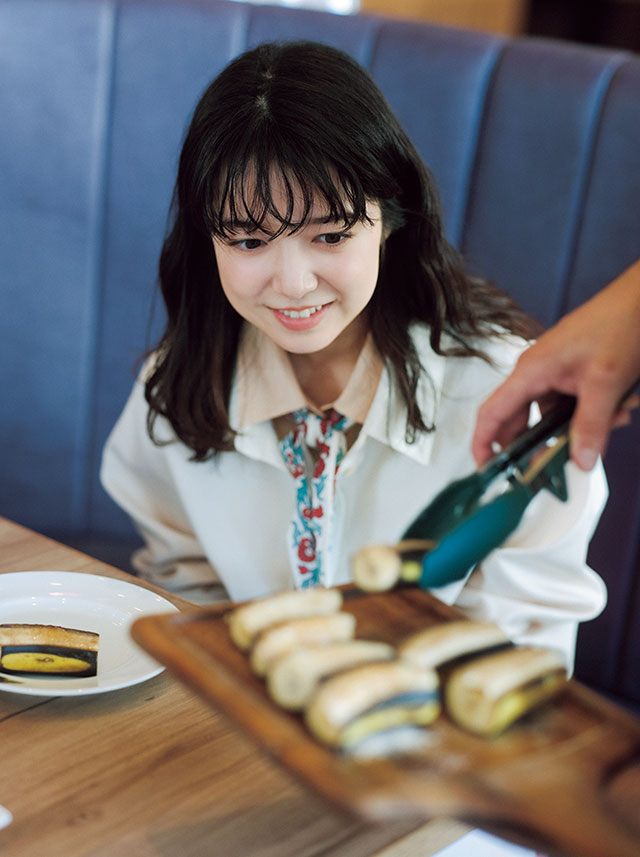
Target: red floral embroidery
306	549
309	513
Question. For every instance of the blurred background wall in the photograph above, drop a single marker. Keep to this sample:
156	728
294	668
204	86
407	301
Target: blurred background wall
496	16
614	23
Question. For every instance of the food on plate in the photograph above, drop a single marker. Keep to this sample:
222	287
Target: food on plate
377	568
293	678
246	621
276	640
369	699
447	642
487	695
48	650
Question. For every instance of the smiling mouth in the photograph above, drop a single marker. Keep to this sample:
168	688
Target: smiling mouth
303	318
306	312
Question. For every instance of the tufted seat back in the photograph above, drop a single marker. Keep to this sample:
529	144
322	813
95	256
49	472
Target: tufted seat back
535	146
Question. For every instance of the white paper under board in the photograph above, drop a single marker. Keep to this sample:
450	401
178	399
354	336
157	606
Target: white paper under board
477	843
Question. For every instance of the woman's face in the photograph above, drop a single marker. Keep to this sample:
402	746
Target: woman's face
307	290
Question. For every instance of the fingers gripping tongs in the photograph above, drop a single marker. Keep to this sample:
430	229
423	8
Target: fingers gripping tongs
474	515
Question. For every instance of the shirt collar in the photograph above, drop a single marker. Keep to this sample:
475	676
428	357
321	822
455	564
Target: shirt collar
266	386
387	417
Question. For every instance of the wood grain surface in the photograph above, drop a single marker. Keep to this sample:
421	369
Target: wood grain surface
153	771
559	781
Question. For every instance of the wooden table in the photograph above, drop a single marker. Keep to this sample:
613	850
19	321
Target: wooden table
151	771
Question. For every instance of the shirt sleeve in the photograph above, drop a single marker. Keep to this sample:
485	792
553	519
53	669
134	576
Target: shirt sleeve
137	474
538	586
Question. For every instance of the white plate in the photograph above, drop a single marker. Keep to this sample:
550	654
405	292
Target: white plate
87	602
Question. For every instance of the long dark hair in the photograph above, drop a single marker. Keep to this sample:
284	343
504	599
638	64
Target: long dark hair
310	113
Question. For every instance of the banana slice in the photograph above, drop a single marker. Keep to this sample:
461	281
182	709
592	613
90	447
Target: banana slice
489	694
247	621
293	678
27	649
449	641
368	699
277	640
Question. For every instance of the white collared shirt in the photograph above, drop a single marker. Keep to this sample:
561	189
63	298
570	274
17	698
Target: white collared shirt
227	518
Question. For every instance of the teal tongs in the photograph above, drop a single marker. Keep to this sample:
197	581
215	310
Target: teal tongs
474	515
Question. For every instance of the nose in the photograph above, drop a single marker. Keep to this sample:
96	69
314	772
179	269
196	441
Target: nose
292	275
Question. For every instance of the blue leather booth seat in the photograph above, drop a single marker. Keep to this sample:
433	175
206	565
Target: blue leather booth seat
535	145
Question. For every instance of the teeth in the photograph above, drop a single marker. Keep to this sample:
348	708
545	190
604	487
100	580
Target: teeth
303	313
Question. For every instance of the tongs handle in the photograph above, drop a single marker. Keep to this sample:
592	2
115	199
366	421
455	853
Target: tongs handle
552	424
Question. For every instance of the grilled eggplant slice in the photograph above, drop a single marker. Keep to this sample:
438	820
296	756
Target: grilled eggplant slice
487	695
353	705
48	650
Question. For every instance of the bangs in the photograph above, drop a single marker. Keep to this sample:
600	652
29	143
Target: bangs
242	195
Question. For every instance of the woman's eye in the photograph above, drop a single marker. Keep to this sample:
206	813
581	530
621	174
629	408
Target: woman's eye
247	243
333	238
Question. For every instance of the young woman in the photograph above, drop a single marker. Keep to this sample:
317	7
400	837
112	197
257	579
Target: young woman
324	356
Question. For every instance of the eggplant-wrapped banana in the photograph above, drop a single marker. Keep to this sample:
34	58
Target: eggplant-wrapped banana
366	700
247	621
276	640
293	678
447	642
27	649
489	694
377	568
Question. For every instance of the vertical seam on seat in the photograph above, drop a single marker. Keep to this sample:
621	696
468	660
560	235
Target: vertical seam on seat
460	215
583	176
86	440
369	43
240	31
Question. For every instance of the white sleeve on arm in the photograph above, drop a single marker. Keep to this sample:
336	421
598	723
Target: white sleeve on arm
136	474
537	586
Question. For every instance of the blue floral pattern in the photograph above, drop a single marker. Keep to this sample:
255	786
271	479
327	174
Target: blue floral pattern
309	536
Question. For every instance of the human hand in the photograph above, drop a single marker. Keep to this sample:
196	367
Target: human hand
593	354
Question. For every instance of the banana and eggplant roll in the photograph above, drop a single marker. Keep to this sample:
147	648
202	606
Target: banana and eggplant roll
487	695
48	650
293	678
449	643
377	568
246	621
276	640
370	699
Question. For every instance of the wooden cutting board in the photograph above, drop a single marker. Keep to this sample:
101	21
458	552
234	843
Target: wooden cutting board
565	780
